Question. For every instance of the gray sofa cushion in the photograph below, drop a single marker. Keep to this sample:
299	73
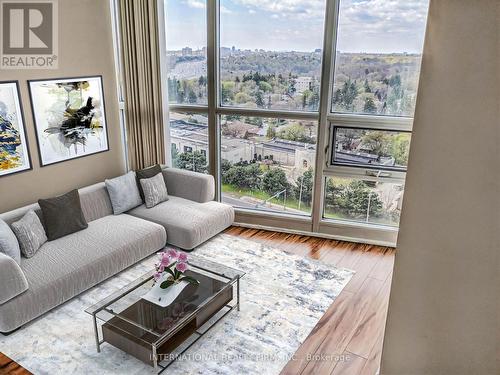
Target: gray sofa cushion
197	187
30	233
62	215
69	265
12	279
8	242
188	223
155	190
123	192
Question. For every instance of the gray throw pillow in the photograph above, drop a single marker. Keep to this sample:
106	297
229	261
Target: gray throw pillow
146	173
155	190
62	215
123	192
8	242
30	233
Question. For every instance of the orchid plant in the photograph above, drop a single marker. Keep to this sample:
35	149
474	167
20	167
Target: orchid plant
175	264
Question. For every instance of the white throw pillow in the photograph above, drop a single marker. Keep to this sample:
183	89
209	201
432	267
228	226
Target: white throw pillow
30	233
123	192
155	190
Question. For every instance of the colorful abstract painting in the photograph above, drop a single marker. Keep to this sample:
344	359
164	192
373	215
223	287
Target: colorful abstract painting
69	118
14	154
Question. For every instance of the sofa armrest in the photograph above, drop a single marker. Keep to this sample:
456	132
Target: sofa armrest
194	186
12	279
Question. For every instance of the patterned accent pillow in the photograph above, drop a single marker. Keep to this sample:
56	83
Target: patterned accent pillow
30	233
155	190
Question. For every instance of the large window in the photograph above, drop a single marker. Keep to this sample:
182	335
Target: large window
299	107
270	54
267	163
377	60
186	35
189	141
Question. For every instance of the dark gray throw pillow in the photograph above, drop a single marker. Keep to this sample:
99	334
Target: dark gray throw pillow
146	173
62	215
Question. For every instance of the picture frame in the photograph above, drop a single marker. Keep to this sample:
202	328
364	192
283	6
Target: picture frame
14	146
69	117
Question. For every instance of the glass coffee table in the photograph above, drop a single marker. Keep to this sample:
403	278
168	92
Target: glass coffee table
158	335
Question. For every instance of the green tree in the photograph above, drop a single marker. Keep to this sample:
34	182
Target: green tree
369	106
259	99
304	187
271	131
295	132
243	176
275	181
355	198
192	98
194	161
378	142
367	86
401	148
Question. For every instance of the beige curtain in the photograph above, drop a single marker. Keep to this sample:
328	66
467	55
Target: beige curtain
142	82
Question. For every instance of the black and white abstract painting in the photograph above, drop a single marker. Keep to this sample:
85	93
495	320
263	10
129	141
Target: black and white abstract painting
14	153
69	118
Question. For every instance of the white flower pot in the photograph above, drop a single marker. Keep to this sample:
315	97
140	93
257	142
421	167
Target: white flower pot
164	297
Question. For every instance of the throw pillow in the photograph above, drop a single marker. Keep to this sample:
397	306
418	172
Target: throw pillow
123	193
155	190
62	215
8	242
30	233
146	173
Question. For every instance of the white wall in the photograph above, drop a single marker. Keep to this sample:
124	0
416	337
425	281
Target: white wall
444	313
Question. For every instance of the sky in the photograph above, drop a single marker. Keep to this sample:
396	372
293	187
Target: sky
373	26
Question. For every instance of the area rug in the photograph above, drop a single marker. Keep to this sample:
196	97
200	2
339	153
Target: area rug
282	298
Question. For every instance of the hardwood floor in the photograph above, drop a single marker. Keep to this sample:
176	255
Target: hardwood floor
348	338
8	366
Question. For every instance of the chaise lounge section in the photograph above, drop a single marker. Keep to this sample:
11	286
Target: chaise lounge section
190	216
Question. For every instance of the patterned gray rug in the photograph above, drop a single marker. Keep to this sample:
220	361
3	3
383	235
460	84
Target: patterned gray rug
282	298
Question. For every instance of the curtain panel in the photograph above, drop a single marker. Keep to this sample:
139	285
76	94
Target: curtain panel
142	82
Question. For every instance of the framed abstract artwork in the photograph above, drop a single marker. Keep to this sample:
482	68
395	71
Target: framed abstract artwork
70	119
14	149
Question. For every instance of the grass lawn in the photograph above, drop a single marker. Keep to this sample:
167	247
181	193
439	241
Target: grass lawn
262	195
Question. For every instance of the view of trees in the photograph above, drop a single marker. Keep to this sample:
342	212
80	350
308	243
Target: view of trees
383	84
194	161
382	144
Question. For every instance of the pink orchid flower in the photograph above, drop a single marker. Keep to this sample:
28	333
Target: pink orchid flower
183	257
181	267
173	254
157	276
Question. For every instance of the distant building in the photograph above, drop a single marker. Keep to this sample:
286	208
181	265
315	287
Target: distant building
302	84
187	51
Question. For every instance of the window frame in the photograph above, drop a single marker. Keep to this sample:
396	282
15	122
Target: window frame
326	120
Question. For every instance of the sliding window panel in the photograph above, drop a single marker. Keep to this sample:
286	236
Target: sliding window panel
271	54
186	42
377	62
363	201
267	164
370	148
189	141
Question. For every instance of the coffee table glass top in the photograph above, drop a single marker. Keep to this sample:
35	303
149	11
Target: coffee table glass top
145	321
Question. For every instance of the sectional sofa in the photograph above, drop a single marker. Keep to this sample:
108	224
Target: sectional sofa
63	268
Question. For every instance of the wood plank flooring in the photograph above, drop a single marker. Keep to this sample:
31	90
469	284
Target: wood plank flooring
348	338
10	367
